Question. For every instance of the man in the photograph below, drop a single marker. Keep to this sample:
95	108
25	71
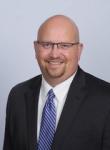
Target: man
79	118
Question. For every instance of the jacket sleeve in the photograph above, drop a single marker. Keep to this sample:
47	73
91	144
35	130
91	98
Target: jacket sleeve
8	124
106	134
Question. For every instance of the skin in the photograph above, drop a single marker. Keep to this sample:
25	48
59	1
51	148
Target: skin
57	65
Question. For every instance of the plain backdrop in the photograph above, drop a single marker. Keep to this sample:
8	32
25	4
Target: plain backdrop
19	21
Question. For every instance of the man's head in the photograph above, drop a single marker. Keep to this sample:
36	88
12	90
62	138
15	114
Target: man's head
58	49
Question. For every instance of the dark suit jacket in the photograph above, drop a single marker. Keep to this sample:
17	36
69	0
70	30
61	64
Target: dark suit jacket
84	123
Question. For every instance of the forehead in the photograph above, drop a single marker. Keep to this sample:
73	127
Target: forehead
57	30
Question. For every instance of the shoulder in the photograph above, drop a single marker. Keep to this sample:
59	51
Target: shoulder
90	79
96	84
96	81
17	94
26	85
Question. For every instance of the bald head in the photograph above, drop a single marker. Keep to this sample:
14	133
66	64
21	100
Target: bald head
59	26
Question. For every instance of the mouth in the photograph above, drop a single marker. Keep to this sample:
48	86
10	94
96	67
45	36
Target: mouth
55	62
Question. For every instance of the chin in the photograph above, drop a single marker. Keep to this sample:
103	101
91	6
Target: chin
55	75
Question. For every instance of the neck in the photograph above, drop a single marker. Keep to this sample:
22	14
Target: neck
55	81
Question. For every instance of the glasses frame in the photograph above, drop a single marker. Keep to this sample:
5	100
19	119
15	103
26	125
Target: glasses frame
59	44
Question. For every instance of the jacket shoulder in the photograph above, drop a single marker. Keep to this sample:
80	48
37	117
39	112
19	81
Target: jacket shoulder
28	84
96	83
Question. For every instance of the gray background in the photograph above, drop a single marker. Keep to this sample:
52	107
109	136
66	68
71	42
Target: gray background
19	21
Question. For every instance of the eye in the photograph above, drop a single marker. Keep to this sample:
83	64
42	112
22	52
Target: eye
46	45
65	45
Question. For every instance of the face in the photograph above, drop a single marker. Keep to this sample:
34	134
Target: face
58	64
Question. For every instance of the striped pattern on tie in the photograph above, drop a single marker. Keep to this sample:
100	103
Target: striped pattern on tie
48	123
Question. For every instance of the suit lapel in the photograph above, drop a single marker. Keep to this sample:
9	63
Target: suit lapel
31	98
72	105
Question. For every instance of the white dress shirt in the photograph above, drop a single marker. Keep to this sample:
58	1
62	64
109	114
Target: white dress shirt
60	92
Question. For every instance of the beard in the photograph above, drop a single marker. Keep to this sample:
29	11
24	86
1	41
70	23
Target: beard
54	68
55	73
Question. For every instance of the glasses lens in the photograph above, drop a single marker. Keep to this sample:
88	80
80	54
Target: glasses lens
45	45
65	45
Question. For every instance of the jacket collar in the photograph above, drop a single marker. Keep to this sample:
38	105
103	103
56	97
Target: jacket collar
74	100
31	100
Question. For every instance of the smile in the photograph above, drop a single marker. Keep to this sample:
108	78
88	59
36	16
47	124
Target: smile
55	62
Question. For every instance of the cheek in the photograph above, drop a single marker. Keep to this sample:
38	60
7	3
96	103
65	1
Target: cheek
72	60
38	57
71	57
42	57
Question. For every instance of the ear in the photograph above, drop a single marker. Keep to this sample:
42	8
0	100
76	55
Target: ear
35	48
80	48
35	45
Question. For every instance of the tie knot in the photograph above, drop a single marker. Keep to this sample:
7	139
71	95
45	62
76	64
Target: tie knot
51	94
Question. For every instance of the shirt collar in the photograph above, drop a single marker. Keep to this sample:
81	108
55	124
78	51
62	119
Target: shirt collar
45	87
60	90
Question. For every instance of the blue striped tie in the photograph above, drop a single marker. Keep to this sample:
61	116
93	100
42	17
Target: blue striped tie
48	123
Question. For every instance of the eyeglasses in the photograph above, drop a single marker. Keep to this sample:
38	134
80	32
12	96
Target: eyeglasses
60	45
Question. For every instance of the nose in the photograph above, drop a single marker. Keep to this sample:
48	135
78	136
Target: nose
54	51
